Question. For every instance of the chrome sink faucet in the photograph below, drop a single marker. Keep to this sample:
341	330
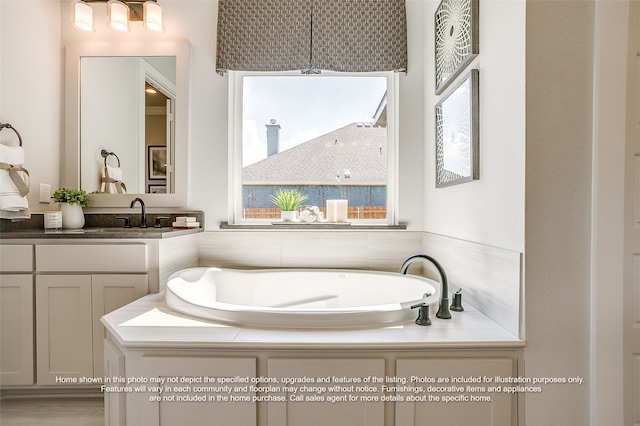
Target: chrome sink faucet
443	308
143	221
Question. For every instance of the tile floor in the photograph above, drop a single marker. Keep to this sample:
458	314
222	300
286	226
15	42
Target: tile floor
52	411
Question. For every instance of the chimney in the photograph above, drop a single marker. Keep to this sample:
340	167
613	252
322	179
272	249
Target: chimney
273	137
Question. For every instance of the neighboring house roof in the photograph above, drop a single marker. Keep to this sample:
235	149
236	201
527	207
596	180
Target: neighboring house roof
358	148
380	116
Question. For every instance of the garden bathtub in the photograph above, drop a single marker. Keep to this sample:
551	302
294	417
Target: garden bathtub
298	298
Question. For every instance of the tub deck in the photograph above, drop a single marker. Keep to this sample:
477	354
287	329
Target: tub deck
148	323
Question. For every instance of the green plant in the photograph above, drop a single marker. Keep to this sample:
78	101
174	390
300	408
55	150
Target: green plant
288	199
71	196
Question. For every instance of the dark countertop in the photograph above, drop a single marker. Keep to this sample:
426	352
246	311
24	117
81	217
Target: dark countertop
101	226
98	233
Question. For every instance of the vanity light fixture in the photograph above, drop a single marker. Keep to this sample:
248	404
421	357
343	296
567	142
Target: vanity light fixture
119	13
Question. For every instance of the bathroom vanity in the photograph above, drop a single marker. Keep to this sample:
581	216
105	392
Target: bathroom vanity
148	345
56	285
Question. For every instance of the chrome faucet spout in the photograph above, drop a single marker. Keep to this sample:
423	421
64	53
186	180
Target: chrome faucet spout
443	306
143	220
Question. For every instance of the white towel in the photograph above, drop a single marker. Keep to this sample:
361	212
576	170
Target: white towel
10	198
115	173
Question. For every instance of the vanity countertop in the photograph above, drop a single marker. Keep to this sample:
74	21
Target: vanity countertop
98	233
149	323
102	226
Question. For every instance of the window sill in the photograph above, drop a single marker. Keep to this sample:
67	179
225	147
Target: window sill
313	226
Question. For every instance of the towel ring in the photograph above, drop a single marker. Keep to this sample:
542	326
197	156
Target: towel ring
105	154
9	126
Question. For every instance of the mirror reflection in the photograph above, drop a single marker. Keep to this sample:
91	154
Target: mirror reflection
127	124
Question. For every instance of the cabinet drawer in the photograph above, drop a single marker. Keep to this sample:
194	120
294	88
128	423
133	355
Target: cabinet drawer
16	258
92	258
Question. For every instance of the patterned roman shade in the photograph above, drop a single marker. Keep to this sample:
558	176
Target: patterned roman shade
263	35
359	35
335	35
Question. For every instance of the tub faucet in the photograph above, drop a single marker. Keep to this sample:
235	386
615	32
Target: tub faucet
443	308
143	220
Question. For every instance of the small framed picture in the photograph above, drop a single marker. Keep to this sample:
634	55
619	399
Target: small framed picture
157	162
457	133
157	189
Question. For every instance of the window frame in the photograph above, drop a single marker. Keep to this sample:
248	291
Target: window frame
235	125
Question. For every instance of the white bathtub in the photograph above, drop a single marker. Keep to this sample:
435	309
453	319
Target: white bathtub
298	298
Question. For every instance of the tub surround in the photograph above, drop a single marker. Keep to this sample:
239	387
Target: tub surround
146	340
379	250
148	323
490	277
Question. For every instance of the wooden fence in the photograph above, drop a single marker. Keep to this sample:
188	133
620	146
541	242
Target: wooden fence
354	212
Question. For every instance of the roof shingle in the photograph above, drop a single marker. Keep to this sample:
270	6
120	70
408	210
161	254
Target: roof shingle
358	148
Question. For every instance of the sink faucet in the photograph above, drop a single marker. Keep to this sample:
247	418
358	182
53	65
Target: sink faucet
143	223
443	308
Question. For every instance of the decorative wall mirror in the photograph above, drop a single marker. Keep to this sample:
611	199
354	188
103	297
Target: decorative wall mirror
126	122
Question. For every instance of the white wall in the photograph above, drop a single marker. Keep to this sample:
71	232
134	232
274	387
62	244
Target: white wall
491	209
31	87
613	81
559	102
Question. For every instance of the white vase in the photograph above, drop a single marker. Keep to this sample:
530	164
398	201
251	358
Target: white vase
72	216
288	216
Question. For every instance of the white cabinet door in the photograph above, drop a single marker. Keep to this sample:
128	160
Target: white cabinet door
305	409
63	328
16	329
108	293
69	333
174	406
114	402
498	411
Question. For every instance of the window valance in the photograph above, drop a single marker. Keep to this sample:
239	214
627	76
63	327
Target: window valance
335	35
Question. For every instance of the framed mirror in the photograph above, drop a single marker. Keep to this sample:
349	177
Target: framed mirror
126	122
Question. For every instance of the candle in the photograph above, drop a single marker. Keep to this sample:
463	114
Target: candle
53	220
342	209
331	210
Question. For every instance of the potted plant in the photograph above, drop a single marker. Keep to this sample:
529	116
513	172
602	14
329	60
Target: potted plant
72	201
288	200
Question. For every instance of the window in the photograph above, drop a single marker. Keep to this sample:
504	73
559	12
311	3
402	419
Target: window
330	135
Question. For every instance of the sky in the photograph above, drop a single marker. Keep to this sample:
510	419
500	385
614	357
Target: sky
305	106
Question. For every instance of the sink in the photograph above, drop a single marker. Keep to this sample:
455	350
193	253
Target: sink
74	231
